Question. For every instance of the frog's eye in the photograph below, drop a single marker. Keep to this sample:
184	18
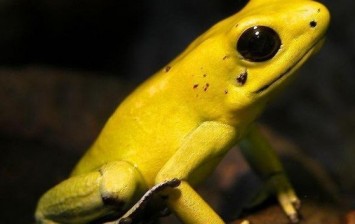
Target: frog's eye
258	43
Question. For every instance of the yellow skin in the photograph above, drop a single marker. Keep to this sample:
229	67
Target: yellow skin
182	121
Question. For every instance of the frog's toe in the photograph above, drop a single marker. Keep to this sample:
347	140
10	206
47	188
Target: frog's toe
296	203
290	204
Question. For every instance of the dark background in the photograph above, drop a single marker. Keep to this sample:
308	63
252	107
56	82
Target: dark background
64	66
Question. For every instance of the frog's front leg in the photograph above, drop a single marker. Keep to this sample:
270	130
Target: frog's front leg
87	197
200	151
263	159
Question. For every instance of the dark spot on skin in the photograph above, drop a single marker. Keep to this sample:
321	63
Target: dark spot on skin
237	25
195	86
318	10
225	57
226	91
167	68
313	24
204	75
242	78
206	87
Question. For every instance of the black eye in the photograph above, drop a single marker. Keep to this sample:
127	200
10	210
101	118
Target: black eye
258	43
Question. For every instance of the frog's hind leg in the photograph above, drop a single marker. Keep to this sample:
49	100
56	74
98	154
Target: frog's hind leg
87	197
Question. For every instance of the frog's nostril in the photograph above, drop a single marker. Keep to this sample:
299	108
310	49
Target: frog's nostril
313	24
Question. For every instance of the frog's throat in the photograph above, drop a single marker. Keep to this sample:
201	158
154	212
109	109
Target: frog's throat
307	54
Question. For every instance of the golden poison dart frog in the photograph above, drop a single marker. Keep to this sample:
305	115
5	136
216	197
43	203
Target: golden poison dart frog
171	132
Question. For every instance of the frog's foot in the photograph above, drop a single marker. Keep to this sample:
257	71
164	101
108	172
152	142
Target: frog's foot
286	196
137	209
290	204
279	186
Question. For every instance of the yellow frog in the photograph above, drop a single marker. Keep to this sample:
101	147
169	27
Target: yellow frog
176	127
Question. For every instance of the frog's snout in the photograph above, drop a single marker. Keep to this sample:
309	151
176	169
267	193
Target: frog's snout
318	16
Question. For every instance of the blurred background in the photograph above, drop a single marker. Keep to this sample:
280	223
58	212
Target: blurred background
65	65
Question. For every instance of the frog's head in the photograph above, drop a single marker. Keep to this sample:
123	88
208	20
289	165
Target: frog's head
273	39
269	41
237	64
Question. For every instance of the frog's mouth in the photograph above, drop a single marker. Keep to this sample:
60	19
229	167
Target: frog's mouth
314	48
